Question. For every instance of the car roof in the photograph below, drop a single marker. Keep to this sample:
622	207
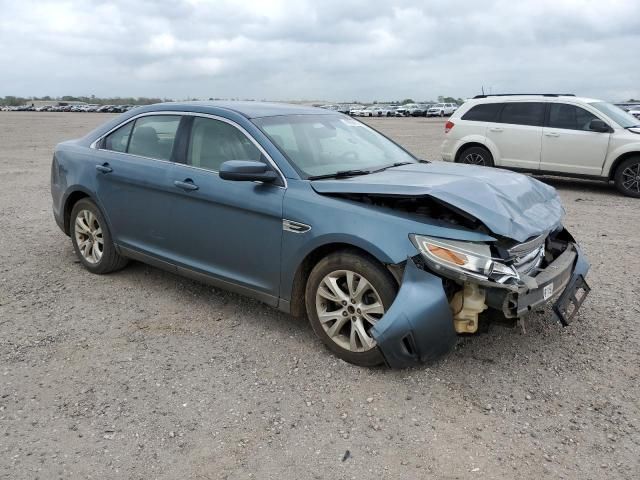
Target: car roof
248	109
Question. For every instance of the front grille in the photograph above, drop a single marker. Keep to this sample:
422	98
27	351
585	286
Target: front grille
528	256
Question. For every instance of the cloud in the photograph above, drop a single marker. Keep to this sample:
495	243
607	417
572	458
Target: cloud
333	50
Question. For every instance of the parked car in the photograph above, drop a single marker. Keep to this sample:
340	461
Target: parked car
357	111
403	110
635	111
377	111
317	214
441	109
550	134
417	110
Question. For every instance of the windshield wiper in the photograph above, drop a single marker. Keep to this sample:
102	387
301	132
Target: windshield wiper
340	174
397	164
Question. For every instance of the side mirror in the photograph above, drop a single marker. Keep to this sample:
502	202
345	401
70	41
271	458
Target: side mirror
598	125
247	171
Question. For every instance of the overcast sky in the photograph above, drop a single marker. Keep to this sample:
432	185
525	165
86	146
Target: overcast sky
319	49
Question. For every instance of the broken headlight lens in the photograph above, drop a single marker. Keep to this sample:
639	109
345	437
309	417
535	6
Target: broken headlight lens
467	259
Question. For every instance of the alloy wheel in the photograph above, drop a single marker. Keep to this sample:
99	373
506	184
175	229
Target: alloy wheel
474	159
631	178
348	306
88	235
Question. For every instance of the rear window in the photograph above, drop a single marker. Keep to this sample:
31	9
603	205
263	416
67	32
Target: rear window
486	112
523	113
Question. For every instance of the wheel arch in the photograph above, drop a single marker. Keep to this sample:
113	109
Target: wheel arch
311	259
70	200
621	158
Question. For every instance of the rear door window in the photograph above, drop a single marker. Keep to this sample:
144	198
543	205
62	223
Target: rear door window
486	112
569	117
154	136
523	113
118	140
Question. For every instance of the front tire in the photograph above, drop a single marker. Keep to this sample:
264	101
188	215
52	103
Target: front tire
476	156
92	240
346	294
627	177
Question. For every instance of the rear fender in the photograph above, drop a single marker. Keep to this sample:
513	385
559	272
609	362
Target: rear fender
419	325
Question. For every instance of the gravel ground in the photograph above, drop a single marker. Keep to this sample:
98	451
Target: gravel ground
142	374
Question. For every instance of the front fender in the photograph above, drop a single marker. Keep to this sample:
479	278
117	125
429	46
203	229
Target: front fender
616	152
419	325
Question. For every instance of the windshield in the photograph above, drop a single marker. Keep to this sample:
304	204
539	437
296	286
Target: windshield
616	114
327	144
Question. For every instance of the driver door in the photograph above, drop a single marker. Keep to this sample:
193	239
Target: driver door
568	145
228	230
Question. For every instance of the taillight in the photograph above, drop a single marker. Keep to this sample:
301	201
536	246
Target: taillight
448	126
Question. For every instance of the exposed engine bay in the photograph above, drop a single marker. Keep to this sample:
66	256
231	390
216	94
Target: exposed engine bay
424	206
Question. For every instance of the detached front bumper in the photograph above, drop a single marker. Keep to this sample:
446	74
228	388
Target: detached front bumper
419	326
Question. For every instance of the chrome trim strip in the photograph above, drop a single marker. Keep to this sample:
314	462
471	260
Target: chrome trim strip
94	144
528	246
294	227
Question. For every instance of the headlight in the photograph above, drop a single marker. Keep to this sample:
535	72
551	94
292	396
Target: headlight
463	259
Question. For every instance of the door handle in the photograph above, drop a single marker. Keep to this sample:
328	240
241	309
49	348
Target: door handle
104	168
552	134
187	185
495	129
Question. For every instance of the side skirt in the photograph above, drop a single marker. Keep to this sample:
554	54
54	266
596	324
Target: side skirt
198	276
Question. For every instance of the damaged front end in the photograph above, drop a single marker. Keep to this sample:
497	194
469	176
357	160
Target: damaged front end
448	287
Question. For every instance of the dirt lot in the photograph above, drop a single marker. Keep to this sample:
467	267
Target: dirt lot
142	374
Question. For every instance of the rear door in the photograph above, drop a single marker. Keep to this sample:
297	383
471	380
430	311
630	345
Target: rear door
133	166
568	145
517	135
228	230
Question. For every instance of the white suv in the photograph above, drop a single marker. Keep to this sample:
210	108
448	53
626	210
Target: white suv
441	109
547	134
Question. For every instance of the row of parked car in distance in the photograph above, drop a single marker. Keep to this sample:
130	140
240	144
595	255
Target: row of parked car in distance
70	108
630	108
407	110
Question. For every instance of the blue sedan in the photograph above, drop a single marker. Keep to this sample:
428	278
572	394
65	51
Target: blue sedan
313	212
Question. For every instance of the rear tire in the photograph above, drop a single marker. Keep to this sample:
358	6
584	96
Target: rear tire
362	290
92	240
476	156
627	177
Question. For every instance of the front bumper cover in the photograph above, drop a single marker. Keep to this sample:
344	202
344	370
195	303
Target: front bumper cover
419	326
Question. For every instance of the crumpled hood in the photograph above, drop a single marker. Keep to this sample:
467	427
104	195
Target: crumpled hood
509	204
